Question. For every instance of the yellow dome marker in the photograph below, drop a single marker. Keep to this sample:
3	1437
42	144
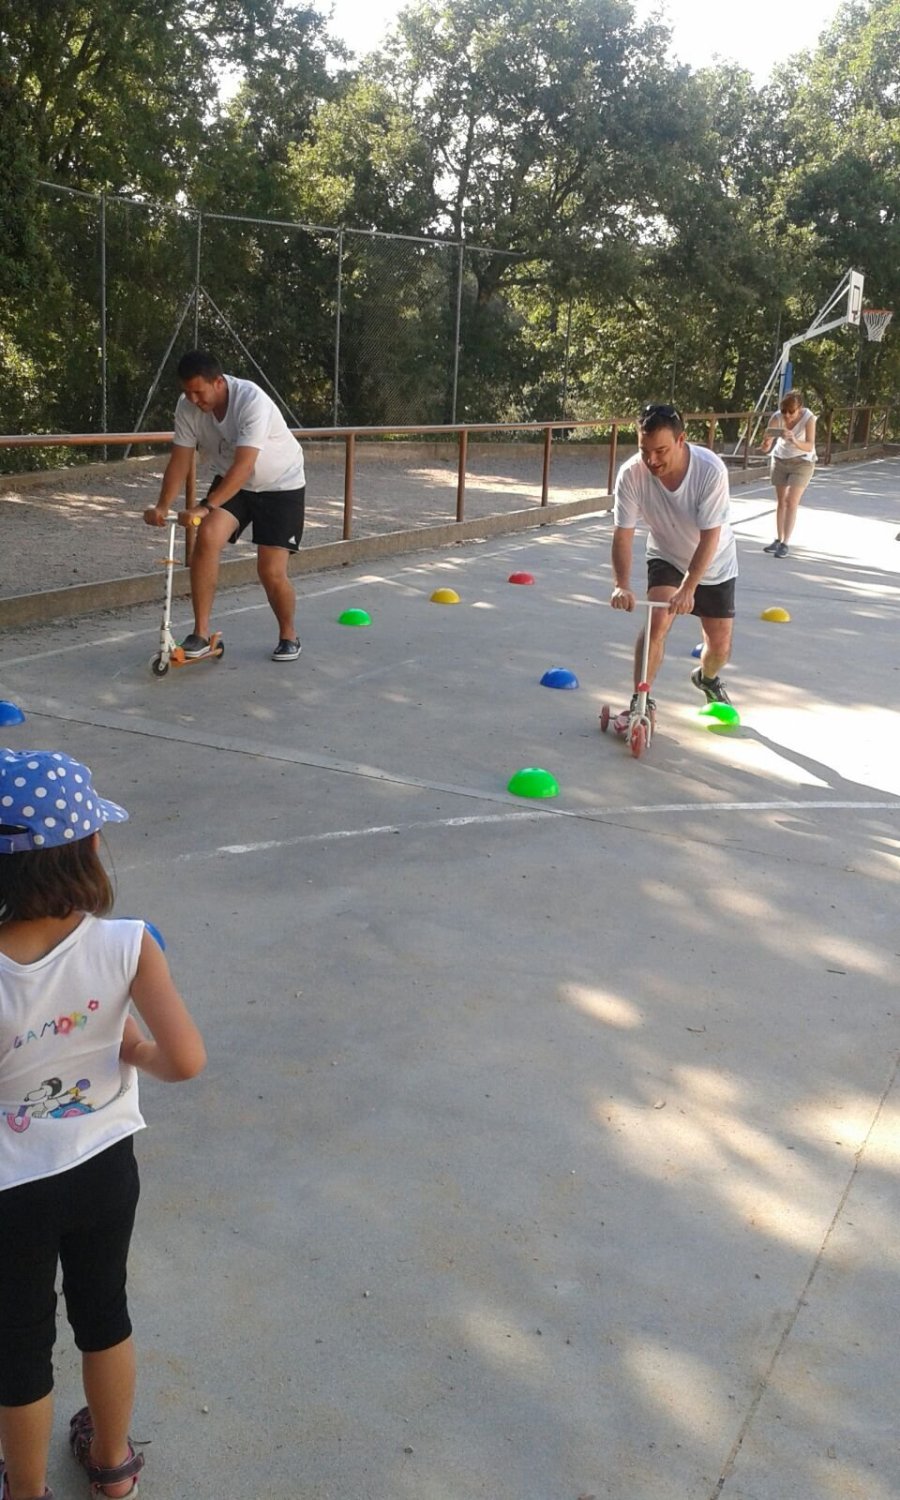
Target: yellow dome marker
776	615
445	596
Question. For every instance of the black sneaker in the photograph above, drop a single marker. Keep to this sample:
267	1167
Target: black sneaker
286	650
633	707
713	687
781	550
195	645
773	546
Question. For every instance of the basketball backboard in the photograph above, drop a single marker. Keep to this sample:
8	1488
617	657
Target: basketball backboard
855	297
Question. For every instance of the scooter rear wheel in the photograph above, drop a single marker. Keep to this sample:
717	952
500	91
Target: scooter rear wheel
604	717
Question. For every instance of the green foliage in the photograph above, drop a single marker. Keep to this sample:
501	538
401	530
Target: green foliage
632	228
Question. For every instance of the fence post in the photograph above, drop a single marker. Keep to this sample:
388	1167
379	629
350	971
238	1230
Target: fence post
456	331
337	328
197	280
103	371
545	476
613	444
461	473
565	379
349	463
828	426
190	501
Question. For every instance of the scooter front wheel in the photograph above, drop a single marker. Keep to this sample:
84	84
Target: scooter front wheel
638	739
158	665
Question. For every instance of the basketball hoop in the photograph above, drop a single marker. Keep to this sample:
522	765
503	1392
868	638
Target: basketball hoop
876	320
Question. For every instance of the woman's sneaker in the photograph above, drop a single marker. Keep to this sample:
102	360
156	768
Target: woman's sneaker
651	704
781	550
713	687
195	645
773	546
286	650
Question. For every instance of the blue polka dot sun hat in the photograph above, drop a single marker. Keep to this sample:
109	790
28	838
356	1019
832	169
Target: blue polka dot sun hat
47	799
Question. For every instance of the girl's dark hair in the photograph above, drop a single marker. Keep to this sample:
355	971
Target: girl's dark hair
54	883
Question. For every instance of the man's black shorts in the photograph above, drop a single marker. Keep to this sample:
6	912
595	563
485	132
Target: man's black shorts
275	515
712	601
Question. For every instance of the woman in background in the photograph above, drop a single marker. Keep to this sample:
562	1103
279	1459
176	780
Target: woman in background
792	434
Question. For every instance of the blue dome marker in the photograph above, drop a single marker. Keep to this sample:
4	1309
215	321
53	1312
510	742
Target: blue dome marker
10	713
559	677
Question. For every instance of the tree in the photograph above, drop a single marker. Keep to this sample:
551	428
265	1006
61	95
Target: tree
844	185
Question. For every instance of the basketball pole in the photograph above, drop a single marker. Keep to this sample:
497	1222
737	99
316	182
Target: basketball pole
850	287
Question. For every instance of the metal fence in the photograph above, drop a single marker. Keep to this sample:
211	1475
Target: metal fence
343	326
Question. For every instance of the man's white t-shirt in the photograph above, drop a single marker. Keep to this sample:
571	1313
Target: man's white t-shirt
675	518
251	421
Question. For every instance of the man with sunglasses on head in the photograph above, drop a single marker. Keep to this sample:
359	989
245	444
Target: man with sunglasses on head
679	491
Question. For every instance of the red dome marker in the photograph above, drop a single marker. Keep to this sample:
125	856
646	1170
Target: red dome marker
521	578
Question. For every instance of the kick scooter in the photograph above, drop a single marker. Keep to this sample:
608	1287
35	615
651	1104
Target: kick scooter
637	723
170	654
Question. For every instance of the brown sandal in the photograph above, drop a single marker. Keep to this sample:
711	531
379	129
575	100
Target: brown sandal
81	1434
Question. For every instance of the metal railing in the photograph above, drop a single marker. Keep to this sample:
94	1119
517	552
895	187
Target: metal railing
860	423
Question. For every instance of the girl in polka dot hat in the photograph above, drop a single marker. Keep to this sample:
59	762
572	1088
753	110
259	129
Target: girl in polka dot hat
47	799
70	1051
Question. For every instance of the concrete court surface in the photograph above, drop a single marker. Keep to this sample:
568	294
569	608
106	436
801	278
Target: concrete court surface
546	1150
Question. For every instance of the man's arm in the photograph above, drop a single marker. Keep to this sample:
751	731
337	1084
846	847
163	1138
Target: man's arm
231	481
173	483
622	551
682	601
234	478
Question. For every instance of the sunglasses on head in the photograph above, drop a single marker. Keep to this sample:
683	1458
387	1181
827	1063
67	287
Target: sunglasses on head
660	409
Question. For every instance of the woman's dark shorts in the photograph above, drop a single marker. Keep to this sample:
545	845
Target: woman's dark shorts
82	1220
275	515
712	601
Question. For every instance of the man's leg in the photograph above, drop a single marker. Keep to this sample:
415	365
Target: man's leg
717	636
660	624
271	565
213	533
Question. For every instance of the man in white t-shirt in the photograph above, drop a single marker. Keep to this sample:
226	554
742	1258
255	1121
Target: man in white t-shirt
259	481
680	493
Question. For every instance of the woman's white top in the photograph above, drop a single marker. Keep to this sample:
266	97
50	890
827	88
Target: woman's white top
784	446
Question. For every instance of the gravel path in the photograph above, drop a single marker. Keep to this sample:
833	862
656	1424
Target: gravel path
84	526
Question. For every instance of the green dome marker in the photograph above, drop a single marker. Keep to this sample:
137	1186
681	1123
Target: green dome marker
354	617
531	781
723	713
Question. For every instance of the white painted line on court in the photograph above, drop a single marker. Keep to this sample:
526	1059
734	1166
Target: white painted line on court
346	586
335	835
260	750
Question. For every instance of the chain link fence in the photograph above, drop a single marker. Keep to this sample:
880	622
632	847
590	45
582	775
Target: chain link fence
344	327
